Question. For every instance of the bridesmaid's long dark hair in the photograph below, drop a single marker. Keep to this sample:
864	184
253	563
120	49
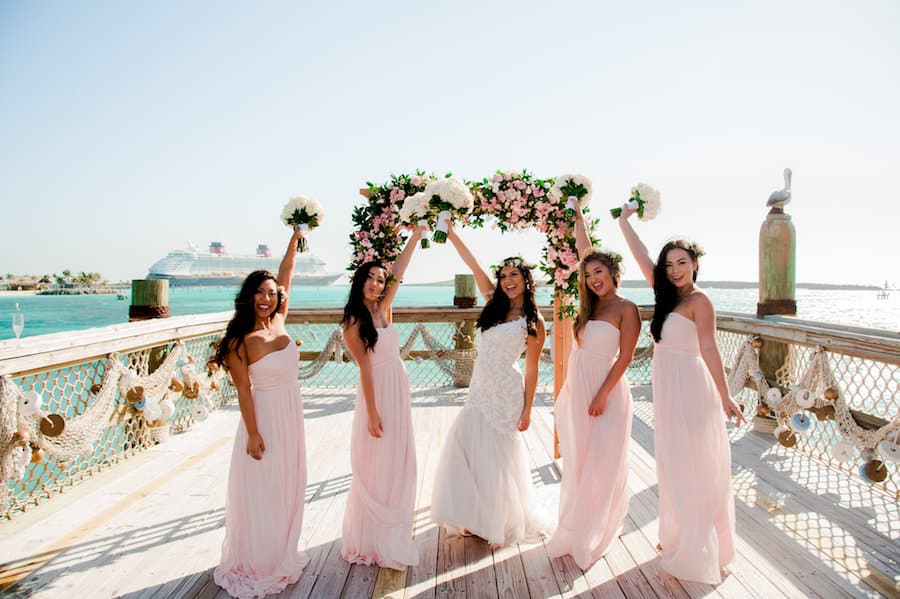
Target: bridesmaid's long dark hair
496	308
664	292
244	318
356	311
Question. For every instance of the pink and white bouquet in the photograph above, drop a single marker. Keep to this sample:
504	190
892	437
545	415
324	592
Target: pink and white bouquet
576	189
416	211
644	199
303	212
377	220
451	198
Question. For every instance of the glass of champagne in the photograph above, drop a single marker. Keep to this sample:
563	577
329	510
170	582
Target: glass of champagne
18	322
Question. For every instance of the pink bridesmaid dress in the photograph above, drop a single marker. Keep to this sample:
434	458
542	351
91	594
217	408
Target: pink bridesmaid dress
593	495
378	521
693	459
264	503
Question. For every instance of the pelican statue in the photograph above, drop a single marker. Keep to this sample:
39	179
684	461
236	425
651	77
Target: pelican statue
779	198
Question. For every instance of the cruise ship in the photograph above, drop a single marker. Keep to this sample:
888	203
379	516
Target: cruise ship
215	267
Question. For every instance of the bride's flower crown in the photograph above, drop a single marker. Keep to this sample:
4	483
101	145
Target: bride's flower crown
516	261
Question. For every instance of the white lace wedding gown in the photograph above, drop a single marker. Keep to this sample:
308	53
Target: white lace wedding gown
482	481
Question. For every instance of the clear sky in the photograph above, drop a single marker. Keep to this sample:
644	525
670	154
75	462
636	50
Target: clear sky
128	128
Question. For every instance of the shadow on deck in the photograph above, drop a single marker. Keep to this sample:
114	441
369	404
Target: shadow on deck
152	527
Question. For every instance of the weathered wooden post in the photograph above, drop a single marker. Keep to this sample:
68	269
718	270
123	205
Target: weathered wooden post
562	347
777	273
464	338
150	299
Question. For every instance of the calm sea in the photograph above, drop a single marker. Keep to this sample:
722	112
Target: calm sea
52	314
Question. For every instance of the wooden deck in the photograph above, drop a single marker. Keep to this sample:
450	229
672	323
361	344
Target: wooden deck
153	527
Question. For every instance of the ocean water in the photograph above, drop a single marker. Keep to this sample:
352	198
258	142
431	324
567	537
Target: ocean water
52	313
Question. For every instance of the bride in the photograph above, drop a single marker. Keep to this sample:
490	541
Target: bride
482	484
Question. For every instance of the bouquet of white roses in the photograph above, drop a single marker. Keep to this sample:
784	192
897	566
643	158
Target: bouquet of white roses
415	210
449	197
577	188
304	212
644	199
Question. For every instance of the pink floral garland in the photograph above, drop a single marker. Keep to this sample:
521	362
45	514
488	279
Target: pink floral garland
511	201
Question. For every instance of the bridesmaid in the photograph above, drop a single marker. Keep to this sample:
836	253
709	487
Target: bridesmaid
267	478
593	410
690	394
378	520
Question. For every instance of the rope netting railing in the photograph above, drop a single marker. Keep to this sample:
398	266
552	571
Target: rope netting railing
64	424
835	398
67	414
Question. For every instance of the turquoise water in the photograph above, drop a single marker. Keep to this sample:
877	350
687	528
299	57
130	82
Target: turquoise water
51	314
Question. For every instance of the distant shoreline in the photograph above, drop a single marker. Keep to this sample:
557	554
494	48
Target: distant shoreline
636	283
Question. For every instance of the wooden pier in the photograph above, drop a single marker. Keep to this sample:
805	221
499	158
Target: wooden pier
153	526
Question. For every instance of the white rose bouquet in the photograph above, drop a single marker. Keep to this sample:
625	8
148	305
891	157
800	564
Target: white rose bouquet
450	197
577	188
304	212
415	211
644	199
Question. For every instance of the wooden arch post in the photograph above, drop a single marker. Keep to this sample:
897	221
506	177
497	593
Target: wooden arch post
562	347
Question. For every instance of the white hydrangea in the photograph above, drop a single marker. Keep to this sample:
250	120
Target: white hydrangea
414	207
568	180
650	197
453	191
296	205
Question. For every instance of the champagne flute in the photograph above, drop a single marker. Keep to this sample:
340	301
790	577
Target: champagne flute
18	322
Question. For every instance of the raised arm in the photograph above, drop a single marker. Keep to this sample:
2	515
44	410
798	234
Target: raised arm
705	319
366	381
629	330
399	269
583	242
637	247
533	348
482	279
286	268
240	377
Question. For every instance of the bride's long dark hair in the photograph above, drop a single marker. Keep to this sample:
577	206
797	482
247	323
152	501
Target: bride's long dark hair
496	308
244	319
664	292
356	311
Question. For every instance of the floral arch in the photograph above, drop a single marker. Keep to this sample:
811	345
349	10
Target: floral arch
508	201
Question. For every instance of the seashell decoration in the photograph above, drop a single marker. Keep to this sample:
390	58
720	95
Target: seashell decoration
30	403
803	397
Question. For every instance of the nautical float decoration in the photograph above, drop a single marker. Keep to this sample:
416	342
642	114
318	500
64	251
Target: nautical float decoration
800	423
785	436
873	471
201	408
151	411
843	451
167	409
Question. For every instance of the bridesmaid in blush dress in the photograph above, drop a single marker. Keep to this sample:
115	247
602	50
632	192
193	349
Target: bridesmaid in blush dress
593	410
690	405
378	520
267	478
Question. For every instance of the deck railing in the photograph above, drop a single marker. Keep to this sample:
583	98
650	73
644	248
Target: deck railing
81	376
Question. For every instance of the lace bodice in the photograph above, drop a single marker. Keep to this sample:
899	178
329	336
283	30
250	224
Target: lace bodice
497	387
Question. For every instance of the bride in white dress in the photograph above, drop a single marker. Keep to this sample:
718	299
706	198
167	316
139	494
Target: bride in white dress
482	485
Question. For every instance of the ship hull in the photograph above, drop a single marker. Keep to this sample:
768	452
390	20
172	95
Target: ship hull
224	281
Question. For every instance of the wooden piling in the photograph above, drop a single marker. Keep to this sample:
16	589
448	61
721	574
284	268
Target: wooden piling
464	338
150	299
